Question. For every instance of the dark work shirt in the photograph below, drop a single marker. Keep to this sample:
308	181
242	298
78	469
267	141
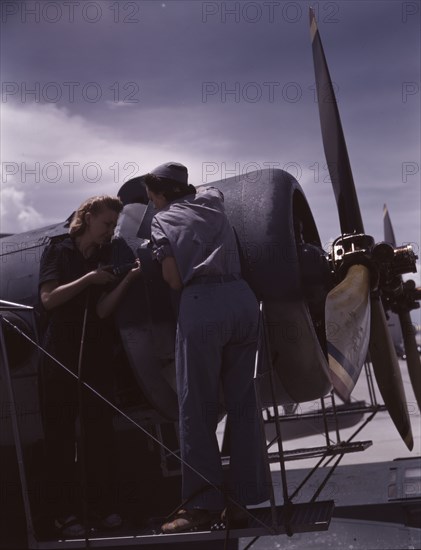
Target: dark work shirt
63	262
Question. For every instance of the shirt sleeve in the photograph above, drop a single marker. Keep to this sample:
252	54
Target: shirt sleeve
212	192
161	247
49	265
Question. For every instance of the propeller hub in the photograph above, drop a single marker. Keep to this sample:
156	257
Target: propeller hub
349	250
385	262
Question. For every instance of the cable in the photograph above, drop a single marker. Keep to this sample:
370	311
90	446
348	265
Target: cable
83	459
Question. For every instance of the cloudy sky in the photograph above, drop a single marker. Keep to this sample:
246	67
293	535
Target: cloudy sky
96	92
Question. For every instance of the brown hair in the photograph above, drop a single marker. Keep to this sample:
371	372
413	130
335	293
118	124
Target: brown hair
93	205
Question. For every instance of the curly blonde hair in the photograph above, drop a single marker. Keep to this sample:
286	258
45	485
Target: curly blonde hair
93	205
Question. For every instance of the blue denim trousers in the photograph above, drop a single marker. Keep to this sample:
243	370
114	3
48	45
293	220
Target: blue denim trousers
215	358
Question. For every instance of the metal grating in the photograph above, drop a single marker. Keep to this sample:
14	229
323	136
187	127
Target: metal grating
303	518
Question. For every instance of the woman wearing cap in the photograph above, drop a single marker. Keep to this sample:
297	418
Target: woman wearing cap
215	346
74	289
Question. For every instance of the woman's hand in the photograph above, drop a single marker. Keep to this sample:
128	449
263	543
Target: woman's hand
102	276
53	295
135	272
108	302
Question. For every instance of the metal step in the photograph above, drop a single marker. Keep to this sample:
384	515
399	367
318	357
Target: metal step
297	518
315	452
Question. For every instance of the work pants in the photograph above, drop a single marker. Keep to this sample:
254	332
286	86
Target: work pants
216	348
60	409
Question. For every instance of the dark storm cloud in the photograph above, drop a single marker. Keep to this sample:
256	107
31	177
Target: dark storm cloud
169	51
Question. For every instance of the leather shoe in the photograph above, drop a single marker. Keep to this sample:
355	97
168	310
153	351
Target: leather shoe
185	520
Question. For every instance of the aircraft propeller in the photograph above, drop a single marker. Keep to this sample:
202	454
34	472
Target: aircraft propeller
401	299
355	318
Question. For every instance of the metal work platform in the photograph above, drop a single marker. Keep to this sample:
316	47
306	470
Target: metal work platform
295	518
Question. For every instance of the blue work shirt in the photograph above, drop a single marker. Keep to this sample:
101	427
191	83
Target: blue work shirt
196	232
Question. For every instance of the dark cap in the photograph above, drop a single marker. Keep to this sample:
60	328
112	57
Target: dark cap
173	171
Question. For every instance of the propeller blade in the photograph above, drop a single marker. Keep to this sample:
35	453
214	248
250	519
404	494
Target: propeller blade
333	140
347	312
389	234
385	362
387	372
413	359
412	356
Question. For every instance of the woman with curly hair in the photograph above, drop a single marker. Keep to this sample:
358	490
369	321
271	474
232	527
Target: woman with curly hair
79	292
